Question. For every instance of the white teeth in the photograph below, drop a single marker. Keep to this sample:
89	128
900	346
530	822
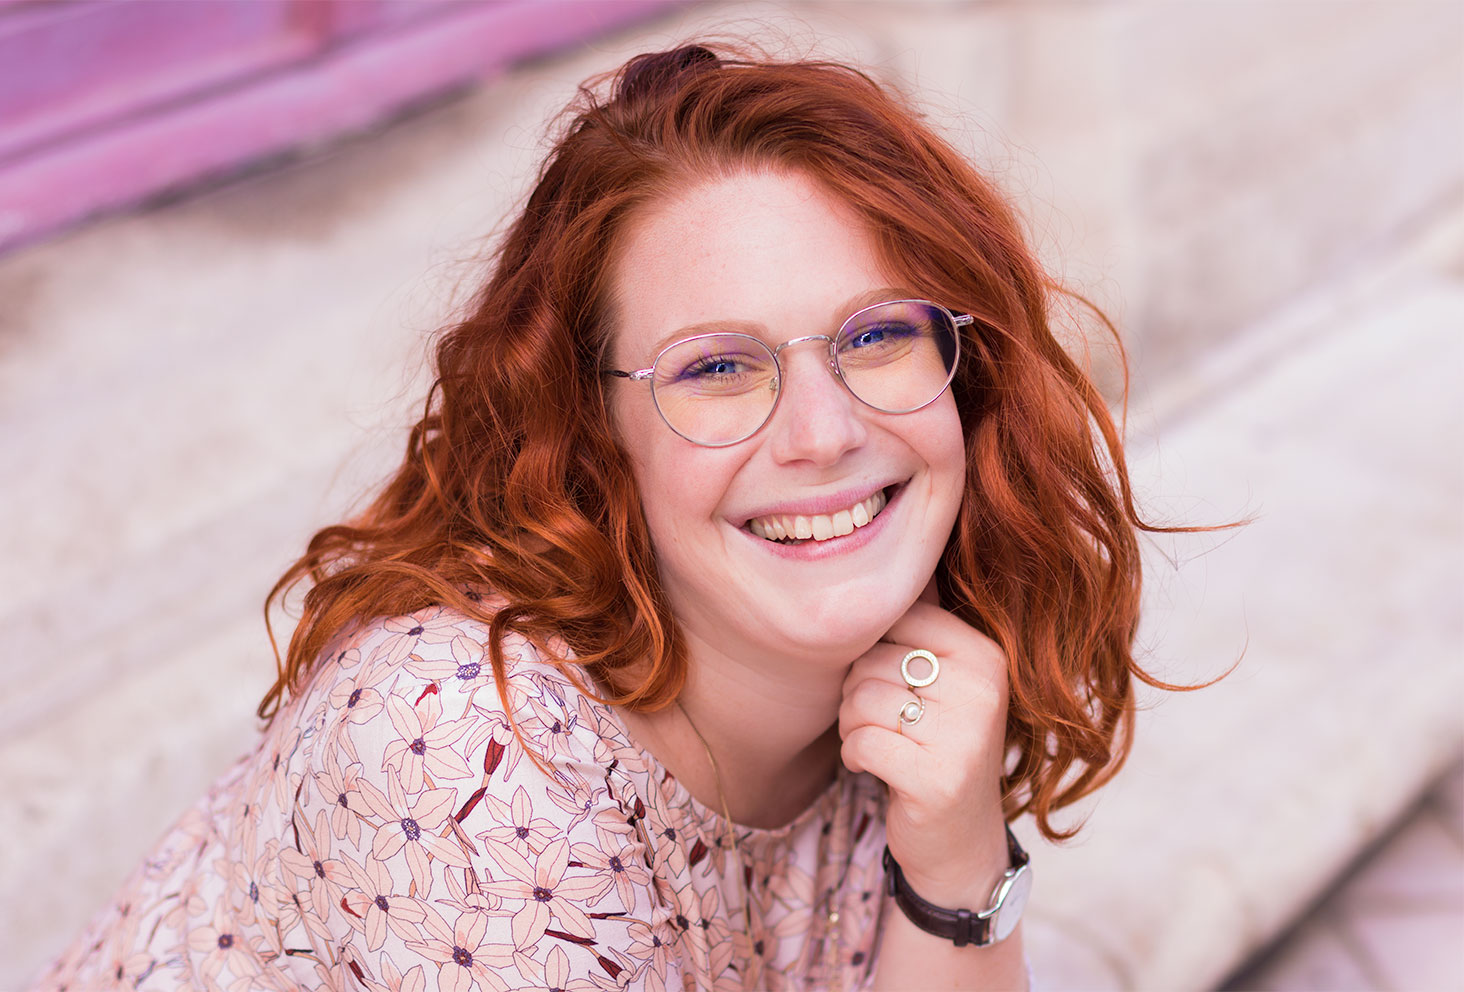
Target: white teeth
818	526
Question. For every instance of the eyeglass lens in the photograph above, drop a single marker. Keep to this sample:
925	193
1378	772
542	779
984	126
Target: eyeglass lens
717	389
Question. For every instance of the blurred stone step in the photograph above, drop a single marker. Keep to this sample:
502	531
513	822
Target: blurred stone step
1394	921
1342	606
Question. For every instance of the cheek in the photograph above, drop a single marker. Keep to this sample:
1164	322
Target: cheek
638	428
681	494
635	428
946	443
681	485
956	457
947	458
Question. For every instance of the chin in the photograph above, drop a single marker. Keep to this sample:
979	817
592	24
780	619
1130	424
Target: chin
829	630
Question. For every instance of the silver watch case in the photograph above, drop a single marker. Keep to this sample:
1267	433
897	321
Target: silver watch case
1008	900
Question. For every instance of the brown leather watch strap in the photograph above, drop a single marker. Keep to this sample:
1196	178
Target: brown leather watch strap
960	926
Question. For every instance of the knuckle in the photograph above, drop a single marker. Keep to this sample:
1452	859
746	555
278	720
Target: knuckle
866	694
856	751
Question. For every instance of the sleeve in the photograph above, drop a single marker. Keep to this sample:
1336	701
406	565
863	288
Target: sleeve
434	847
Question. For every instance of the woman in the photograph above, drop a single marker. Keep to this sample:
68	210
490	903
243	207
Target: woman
759	554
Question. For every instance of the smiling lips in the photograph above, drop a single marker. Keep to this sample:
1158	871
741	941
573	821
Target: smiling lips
791	527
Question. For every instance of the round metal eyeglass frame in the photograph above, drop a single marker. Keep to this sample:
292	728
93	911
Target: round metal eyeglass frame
958	321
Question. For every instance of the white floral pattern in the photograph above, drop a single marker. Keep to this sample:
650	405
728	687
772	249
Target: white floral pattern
391	832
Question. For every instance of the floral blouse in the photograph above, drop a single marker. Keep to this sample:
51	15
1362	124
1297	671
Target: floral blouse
392	833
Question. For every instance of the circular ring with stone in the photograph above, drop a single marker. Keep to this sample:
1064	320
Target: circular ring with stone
911	713
912	681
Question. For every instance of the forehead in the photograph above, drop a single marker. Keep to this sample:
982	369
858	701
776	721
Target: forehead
769	251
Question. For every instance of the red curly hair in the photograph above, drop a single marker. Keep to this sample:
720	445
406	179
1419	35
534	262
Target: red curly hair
514	482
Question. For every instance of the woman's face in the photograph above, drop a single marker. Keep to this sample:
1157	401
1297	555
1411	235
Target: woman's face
771	255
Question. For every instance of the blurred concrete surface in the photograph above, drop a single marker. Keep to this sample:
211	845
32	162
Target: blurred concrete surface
1268	197
1341	604
1394	921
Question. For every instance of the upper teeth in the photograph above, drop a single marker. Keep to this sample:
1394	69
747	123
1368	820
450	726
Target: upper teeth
817	526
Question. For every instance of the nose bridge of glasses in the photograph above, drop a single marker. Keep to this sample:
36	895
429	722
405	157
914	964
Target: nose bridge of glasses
829	361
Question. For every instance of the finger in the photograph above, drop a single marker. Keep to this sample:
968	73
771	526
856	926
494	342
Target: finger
885	662
969	659
936	630
882	753
878	703
881	662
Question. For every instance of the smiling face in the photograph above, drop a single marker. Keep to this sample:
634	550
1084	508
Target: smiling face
866	499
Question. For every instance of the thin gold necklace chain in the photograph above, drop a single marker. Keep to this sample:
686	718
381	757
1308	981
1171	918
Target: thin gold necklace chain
726	815
833	914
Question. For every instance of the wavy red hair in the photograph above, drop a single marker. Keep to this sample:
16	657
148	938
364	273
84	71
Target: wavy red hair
514	482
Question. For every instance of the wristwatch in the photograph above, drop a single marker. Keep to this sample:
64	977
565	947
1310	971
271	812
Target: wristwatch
962	926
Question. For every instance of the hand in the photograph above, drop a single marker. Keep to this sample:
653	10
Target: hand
944	772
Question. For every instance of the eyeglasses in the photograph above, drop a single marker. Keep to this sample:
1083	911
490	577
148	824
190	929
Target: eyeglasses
718	389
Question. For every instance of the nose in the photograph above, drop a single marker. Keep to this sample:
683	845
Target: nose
817	420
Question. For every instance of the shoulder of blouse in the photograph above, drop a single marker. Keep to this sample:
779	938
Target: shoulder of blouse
395	675
416	776
436	644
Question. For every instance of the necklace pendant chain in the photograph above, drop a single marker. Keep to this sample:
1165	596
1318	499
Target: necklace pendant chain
833	940
743	882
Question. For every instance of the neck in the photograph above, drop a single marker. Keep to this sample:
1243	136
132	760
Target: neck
770	727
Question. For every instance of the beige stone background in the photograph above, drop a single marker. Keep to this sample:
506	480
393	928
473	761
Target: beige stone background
1268	196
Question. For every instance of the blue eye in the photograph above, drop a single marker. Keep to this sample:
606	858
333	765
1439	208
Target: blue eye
885	333
720	365
713	366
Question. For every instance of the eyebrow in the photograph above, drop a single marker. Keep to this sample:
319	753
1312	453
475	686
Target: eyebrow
842	313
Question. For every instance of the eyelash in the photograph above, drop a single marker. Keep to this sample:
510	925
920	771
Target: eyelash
703	366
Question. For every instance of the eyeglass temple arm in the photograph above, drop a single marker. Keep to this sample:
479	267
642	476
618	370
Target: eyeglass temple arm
638	374
963	319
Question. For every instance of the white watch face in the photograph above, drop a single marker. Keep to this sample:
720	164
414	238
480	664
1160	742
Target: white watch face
1012	899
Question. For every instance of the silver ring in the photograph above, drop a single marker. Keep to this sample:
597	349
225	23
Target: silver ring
911	680
911	713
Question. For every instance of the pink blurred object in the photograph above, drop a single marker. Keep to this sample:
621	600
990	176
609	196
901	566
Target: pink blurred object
104	103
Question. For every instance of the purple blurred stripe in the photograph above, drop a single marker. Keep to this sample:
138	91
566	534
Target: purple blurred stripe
105	103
